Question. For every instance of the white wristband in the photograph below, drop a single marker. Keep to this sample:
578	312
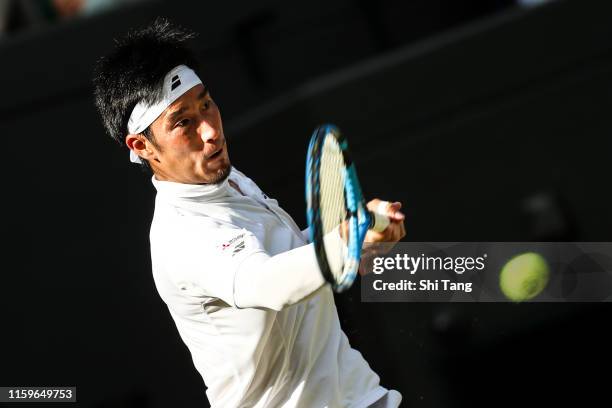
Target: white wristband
381	220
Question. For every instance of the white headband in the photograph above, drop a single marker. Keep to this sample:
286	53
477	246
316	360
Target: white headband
179	80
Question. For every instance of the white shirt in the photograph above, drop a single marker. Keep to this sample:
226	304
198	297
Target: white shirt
206	244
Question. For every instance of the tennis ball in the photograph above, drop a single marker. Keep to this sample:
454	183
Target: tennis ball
524	276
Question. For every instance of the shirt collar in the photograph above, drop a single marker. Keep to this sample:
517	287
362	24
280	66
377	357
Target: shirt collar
198	192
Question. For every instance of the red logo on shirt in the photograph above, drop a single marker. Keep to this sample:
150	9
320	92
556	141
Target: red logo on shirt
234	242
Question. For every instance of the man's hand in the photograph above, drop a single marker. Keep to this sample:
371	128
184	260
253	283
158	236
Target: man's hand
392	234
395	231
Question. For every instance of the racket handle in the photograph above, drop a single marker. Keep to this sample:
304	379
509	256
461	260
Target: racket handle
378	218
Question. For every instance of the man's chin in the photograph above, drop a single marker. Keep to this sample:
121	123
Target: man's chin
221	174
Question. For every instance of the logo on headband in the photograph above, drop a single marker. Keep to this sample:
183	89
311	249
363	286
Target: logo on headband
176	82
144	113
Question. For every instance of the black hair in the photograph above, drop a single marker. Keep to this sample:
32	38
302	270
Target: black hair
134	71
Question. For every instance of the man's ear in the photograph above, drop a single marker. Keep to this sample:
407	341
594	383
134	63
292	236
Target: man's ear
140	146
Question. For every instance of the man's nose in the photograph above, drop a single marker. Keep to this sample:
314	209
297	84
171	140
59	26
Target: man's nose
207	132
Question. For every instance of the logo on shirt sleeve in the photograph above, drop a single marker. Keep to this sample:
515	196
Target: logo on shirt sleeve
239	247
234	245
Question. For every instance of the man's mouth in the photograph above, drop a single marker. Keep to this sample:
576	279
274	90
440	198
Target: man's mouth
215	154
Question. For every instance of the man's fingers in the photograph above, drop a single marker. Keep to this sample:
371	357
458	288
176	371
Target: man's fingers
394	213
395	231
398	233
391	210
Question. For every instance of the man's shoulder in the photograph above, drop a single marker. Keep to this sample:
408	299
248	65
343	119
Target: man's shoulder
191	230
176	225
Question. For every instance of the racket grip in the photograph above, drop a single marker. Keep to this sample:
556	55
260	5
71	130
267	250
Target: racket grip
378	218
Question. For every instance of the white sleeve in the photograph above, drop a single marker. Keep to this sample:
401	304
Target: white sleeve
306	234
284	279
234	266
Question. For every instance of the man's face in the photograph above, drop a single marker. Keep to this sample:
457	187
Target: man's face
190	145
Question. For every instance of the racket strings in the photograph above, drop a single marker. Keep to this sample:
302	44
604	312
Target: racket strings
332	194
333	202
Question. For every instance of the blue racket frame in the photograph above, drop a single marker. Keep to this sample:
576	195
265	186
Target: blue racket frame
359	218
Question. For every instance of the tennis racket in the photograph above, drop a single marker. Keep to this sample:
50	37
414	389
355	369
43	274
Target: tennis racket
335	202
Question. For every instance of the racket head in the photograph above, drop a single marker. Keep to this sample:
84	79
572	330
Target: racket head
333	197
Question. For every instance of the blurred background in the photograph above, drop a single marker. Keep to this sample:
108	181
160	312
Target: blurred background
489	119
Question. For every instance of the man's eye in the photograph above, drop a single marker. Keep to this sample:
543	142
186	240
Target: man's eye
207	104
182	123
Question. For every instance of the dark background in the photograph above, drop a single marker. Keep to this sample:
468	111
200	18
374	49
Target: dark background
489	121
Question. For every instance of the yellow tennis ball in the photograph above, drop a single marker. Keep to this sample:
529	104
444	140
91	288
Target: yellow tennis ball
524	276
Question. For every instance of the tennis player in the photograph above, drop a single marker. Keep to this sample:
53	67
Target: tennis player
238	276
